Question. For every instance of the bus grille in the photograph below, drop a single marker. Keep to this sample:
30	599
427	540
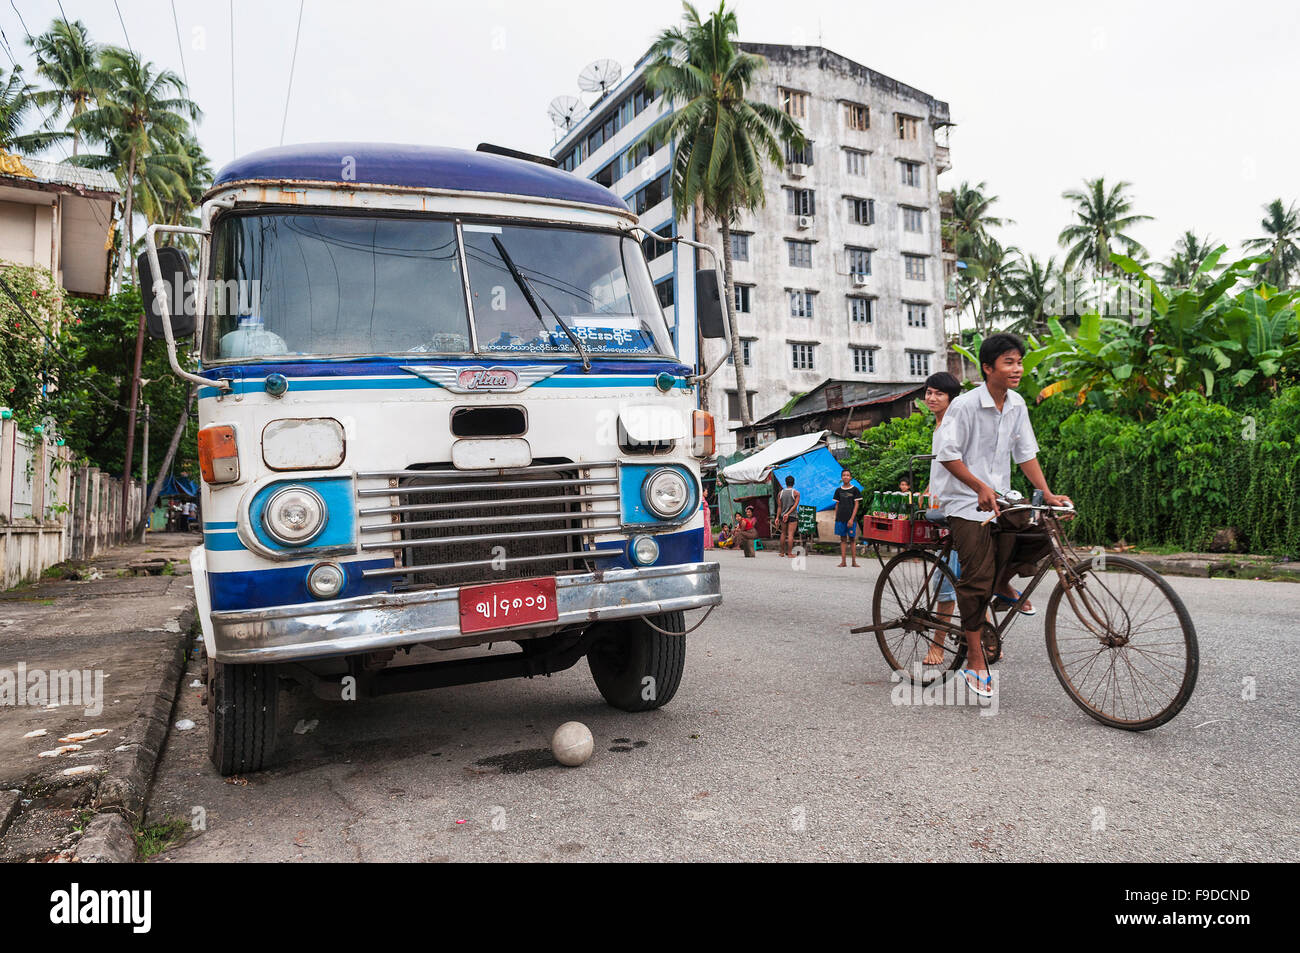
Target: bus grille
451	527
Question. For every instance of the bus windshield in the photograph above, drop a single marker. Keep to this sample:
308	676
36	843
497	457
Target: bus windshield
310	284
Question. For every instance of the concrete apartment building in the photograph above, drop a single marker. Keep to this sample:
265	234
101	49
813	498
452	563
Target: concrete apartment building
841	275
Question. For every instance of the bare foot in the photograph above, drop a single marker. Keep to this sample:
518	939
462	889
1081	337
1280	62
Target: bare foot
843	565
934	656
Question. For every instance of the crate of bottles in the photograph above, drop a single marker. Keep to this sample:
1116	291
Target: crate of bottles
899	518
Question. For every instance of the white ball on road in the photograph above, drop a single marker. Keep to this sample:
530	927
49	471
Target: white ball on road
572	743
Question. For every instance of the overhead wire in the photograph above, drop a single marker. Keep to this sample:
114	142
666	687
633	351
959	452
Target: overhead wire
292	63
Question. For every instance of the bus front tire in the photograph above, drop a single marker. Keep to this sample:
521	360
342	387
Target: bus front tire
242	704
637	668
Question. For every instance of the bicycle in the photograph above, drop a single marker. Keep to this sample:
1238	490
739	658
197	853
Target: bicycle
1125	651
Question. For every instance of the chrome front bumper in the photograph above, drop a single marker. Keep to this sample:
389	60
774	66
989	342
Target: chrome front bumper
369	623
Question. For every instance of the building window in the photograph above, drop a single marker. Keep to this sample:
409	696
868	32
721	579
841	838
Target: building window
863	211
860	310
742	298
793	102
650	196
857	116
801	304
803	357
744	352
917	315
800	253
653	247
864	360
801	201
918	364
855	162
914	267
859	262
803	156
608	174
733	404
913	219
664	290
740	246
641	99
907	127
911	173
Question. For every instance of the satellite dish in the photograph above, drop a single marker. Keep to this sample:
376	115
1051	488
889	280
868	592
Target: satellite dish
599	77
565	111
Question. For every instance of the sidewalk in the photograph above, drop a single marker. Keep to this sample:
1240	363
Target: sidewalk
1236	565
88	675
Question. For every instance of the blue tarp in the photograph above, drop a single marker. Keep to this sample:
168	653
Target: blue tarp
816	475
179	486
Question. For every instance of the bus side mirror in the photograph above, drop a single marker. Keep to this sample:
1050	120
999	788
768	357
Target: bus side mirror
175	268
708	305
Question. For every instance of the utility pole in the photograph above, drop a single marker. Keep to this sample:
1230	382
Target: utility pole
144	474
130	425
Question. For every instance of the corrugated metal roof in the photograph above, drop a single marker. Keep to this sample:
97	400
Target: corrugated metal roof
61	173
853	394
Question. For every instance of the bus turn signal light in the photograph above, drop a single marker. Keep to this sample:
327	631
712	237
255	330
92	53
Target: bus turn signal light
218	455
703	439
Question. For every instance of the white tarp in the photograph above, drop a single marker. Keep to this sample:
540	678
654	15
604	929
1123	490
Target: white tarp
757	468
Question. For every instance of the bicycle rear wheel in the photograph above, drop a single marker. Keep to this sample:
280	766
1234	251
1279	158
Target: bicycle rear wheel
908	591
1125	650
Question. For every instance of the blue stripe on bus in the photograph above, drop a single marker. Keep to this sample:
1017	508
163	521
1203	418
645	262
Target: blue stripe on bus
227	542
414	383
261	588
208	526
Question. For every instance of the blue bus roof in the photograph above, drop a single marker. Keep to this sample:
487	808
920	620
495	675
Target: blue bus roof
420	167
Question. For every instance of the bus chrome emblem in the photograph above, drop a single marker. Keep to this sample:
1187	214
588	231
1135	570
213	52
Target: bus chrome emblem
472	380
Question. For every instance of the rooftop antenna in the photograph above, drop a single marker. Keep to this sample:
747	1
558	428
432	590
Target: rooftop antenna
565	113
599	77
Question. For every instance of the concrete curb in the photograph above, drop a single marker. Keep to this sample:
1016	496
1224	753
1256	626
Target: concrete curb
121	792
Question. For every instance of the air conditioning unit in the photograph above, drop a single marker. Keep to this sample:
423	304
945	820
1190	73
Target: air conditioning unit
805	222
798	170
859	281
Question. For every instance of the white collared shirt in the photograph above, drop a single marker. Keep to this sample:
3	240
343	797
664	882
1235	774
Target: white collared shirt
975	432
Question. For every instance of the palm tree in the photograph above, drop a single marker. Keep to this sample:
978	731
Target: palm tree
722	138
1102	217
1034	295
1281	234
68	61
1189	254
992	276
971	220
16	103
141	118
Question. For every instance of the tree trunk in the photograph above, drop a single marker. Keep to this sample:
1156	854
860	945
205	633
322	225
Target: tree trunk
728	300
125	255
167	460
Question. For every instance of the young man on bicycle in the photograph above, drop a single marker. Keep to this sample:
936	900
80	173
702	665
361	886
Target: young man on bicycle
982	432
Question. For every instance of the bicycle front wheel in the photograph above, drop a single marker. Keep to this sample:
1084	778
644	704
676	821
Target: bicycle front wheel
1122	643
908	591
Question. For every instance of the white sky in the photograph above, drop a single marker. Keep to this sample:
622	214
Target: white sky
1193	102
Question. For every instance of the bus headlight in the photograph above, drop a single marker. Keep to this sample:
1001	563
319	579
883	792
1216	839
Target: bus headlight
666	493
294	516
645	550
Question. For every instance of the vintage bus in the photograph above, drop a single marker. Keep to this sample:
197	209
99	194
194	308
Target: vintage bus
440	406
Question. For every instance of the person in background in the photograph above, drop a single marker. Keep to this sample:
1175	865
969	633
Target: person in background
725	539
940	389
787	507
748	532
848	498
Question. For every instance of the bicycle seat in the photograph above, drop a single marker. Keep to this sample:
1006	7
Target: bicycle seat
933	516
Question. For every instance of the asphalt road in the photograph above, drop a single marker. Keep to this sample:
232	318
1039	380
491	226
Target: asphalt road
782	744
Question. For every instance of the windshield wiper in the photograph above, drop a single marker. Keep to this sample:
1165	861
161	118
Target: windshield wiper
523	284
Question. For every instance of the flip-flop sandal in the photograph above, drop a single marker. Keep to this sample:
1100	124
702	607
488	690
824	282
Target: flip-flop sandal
982	686
1008	603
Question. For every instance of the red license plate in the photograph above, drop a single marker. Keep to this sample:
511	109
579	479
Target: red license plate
508	605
